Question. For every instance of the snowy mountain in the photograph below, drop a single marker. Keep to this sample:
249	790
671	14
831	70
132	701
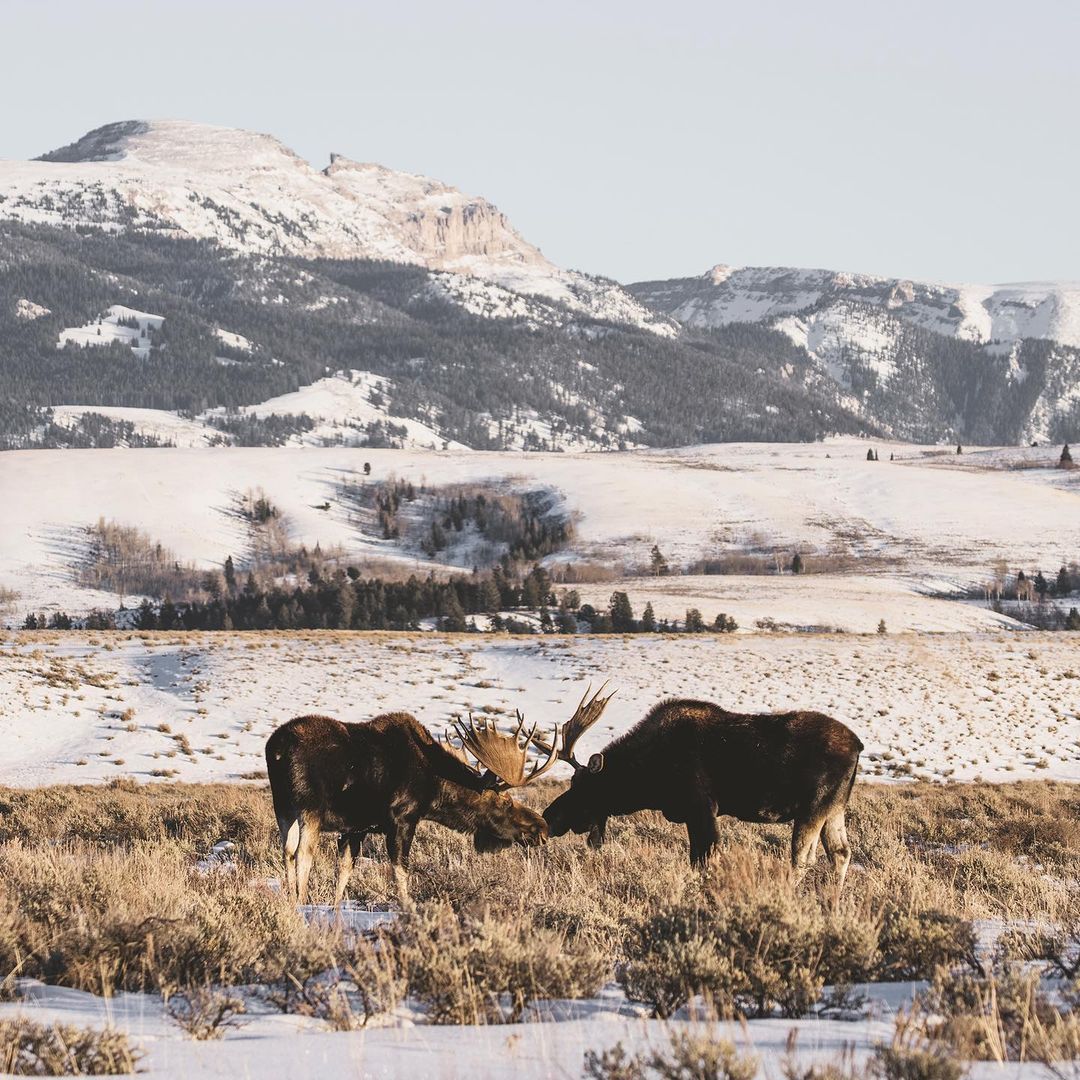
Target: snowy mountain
917	356
978	313
249	192
171	281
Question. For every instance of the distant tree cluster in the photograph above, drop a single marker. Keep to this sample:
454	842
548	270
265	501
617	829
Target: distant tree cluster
521	527
619	618
92	430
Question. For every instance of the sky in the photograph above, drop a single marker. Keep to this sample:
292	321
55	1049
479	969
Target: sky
637	140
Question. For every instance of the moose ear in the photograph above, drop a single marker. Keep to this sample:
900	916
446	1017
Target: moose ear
596	763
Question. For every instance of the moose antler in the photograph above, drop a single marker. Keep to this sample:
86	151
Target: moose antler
506	755
589	710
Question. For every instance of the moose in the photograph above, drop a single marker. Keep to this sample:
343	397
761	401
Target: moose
692	761
386	775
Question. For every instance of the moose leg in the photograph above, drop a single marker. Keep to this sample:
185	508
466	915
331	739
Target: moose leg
305	854
804	839
290	842
399	838
703	833
836	845
348	849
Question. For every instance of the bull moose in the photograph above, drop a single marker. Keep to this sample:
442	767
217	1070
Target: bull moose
692	761
385	776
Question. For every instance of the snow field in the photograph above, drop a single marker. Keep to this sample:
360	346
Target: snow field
108	329
87	707
929	524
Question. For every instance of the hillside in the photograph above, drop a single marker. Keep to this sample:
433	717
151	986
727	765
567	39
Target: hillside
467	359
248	192
890	539
233	293
925	360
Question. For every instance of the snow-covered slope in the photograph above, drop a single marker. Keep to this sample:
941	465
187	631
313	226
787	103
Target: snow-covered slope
121	324
978	313
249	192
927	523
344	404
919	358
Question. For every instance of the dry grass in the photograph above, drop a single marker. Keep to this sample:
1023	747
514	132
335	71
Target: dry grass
99	890
31	1049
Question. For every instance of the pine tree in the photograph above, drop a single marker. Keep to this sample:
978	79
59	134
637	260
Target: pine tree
1042	586
648	619
490	598
881	628
1063	586
695	624
797	564
622	614
453	619
1072	620
1065	461
657	563
230	574
147	618
167	616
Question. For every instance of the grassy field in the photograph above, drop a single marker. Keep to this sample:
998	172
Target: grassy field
106	889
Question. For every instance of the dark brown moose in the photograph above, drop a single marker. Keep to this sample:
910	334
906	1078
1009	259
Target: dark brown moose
692	761
385	776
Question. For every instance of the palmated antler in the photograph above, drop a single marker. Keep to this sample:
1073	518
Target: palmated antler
589	710
506	755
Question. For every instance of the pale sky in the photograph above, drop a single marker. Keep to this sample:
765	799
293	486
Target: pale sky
920	139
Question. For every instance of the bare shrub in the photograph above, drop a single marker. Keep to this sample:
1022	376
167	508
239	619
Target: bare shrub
748	956
470	970
74	916
914	944
125	560
1057	945
999	1016
205	1013
913	1056
690	1056
31	1049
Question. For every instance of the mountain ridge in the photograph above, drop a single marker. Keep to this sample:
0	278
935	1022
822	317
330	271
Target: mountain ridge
248	191
225	234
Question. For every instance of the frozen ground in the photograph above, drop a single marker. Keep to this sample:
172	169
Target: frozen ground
88	707
817	603
268	1044
925	523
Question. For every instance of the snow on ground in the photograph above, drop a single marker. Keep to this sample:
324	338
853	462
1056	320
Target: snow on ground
343	403
928	520
293	1046
811	602
85	707
168	427
27	309
107	329
233	341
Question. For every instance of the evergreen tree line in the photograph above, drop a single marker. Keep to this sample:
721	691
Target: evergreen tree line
344	600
